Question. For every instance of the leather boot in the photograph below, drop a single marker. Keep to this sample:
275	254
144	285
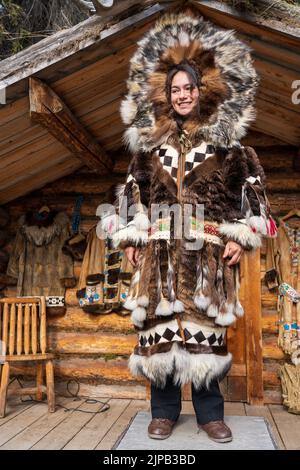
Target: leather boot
160	428
217	431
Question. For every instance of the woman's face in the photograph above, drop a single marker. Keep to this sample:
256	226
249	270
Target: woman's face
184	96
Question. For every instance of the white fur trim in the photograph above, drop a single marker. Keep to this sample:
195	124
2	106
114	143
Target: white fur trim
131	235
141	221
197	368
241	233
259	223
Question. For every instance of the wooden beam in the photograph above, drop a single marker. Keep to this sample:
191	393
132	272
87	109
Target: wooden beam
251	294
49	110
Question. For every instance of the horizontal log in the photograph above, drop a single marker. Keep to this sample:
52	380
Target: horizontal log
271	350
283	183
259	139
98	370
77	320
276	158
84	343
268	300
273	396
271	379
269	322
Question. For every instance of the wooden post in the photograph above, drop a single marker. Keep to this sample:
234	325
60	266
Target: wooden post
253	334
43	344
3	388
33	329
19	329
39	381
50	386
27	329
12	329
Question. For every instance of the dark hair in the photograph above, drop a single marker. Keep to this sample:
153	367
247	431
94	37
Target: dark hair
182	67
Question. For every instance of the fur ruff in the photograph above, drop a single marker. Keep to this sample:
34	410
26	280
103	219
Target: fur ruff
200	369
228	83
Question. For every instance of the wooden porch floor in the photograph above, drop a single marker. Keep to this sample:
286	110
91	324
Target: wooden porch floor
29	426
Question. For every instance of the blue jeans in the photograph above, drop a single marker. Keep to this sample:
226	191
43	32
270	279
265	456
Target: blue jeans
208	403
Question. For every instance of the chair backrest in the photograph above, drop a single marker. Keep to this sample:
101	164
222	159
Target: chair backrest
23	325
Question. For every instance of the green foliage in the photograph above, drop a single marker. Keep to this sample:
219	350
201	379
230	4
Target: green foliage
25	22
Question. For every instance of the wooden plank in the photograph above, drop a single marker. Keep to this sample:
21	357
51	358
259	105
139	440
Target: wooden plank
65	431
49	110
264	412
22	421
97	428
14	407
41	427
253	338
288	426
121	424
30	183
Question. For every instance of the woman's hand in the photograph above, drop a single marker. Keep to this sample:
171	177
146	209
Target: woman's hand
233	251
132	253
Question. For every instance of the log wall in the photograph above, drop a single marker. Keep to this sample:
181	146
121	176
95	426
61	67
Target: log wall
95	349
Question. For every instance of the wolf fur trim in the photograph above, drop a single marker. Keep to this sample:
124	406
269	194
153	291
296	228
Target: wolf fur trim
197	368
228	83
242	234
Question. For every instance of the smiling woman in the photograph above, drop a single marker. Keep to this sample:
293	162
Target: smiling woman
182	89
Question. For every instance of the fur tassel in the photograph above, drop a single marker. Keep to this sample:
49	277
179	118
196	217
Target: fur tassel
239	311
138	316
178	306
201	298
164	307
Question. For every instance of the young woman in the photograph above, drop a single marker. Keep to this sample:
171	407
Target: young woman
190	98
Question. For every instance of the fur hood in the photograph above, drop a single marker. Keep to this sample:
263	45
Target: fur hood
227	88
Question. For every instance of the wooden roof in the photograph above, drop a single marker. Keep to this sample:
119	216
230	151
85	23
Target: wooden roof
87	66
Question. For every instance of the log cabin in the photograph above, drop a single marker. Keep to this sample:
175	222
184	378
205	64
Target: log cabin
61	136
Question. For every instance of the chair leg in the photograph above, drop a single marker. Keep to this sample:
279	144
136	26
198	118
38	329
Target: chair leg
50	386
39	381
3	388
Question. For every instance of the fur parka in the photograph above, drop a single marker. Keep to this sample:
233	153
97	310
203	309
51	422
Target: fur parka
182	298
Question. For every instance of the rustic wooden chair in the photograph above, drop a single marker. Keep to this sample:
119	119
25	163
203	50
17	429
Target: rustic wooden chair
23	336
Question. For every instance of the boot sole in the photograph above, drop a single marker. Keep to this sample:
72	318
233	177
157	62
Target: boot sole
224	439
156	436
